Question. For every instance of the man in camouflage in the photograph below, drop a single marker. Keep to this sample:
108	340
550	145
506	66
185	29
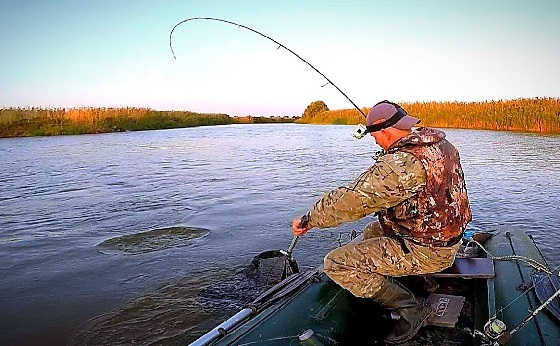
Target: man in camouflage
418	192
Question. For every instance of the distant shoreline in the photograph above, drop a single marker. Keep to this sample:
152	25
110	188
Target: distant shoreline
535	115
30	122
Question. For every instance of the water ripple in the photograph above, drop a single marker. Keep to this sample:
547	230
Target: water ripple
63	196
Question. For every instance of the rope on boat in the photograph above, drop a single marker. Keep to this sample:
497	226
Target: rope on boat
529	261
273	339
534	313
505	336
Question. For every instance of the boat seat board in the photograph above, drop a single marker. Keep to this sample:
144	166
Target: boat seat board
469	268
510	304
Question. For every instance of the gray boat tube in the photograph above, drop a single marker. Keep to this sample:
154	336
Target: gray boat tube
223	328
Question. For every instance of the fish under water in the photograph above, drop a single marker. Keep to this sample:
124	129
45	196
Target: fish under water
176	313
153	240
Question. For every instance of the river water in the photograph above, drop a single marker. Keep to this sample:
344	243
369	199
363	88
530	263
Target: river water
238	185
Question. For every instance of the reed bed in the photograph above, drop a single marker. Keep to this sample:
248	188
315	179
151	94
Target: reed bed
60	121
541	115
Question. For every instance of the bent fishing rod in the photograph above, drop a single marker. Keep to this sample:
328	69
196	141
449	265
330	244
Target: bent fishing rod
280	45
358	133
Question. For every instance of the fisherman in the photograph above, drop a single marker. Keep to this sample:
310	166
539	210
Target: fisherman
417	189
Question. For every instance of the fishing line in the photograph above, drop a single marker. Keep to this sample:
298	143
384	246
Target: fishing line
530	262
280	45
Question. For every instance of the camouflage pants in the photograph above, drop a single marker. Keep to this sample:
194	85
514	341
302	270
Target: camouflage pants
361	267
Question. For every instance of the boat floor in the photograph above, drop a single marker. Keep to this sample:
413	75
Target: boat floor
337	317
460	334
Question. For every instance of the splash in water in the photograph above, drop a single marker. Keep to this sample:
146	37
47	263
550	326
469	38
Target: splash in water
154	240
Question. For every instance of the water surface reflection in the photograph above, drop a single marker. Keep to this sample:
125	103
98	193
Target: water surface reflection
62	196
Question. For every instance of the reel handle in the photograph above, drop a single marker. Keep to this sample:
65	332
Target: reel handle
304	220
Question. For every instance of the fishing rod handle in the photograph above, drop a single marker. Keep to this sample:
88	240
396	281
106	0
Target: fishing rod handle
304	222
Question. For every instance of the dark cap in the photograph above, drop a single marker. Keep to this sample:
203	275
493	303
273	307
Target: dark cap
384	110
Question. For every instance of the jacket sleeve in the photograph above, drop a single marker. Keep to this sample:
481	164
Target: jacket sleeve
391	180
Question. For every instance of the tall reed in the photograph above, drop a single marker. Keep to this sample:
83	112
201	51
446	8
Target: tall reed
58	121
540	115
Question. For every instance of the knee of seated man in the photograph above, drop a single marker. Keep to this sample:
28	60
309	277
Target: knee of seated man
327	261
336	259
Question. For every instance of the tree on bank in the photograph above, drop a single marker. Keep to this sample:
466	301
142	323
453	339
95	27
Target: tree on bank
314	108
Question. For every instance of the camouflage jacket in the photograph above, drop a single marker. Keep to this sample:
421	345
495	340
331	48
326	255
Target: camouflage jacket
405	187
394	178
440	212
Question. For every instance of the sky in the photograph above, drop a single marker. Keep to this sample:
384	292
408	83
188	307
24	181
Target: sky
116	53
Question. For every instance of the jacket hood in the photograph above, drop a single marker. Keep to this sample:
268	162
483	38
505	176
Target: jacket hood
419	136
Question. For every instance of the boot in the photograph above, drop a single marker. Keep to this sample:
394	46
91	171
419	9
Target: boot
413	314
430	285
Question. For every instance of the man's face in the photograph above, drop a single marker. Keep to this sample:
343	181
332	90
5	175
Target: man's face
380	136
381	139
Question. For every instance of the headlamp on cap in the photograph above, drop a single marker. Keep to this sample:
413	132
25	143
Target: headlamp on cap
363	130
360	131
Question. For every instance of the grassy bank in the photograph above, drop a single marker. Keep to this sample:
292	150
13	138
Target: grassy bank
262	120
540	115
15	122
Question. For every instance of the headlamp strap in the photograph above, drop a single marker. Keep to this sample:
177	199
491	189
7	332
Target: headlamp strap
401	113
